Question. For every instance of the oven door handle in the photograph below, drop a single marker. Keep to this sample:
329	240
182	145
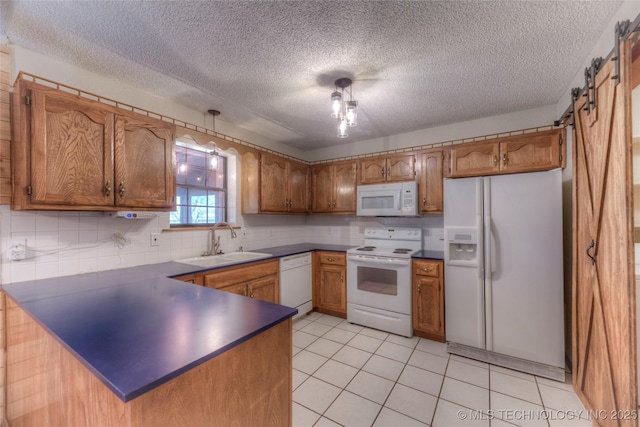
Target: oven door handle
378	261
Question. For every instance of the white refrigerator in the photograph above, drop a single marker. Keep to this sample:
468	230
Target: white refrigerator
503	270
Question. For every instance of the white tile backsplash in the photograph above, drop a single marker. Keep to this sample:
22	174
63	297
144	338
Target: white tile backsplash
66	243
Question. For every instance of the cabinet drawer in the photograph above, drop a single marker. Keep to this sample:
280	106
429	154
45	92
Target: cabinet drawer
332	258
240	274
427	268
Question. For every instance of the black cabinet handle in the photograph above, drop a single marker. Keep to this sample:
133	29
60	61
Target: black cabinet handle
593	260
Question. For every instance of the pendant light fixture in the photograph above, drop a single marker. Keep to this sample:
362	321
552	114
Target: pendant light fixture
345	111
214	153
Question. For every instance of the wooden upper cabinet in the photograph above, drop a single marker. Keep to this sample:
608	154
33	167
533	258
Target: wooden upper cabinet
401	167
475	159
144	164
344	198
322	185
334	187
430	188
373	170
273	183
284	185
250	182
393	168
298	189
74	153
521	153
538	152
71	150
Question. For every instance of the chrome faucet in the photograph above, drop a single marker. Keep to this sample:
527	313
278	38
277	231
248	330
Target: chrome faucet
214	244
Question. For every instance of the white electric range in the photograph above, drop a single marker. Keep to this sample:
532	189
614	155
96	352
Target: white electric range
379	279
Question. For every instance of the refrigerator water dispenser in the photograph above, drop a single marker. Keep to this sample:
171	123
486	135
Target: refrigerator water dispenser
461	246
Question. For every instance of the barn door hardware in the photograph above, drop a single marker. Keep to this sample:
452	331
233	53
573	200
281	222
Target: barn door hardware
593	260
590	84
622	30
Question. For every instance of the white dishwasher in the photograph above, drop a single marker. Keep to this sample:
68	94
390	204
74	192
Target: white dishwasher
295	282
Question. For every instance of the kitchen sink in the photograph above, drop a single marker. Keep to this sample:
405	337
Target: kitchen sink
223	259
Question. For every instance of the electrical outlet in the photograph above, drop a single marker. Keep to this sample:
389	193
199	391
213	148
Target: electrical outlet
155	239
17	250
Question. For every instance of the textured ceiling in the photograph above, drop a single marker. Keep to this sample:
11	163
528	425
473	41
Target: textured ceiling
269	66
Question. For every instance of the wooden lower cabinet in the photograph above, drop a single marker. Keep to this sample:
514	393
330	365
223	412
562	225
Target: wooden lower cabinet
195	278
428	299
330	283
259	280
265	289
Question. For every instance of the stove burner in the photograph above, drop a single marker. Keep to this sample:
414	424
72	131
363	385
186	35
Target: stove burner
402	251
367	248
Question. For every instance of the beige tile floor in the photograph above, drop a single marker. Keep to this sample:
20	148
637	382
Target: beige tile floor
348	375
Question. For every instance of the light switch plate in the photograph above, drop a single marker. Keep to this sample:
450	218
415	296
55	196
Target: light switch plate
155	239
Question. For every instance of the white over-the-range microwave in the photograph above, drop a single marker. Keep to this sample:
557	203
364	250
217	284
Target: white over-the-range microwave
393	199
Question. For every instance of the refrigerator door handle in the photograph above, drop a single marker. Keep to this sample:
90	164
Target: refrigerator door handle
480	183
488	266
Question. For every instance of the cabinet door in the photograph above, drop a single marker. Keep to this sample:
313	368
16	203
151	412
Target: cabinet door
265	289
251	182
541	152
273	183
428	313
344	196
322	199
71	151
475	160
238	288
298	179
195	278
431	182
145	163
373	171
332	293
401	168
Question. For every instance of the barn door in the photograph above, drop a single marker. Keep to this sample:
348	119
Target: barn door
604	332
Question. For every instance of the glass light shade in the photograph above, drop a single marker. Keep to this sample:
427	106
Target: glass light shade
352	114
214	161
342	128
182	168
336	104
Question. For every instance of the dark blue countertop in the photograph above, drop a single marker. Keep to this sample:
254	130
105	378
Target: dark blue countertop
135	328
137	335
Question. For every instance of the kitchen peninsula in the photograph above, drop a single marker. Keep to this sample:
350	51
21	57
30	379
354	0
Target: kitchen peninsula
132	347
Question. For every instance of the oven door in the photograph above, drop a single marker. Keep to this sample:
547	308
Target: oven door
379	282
